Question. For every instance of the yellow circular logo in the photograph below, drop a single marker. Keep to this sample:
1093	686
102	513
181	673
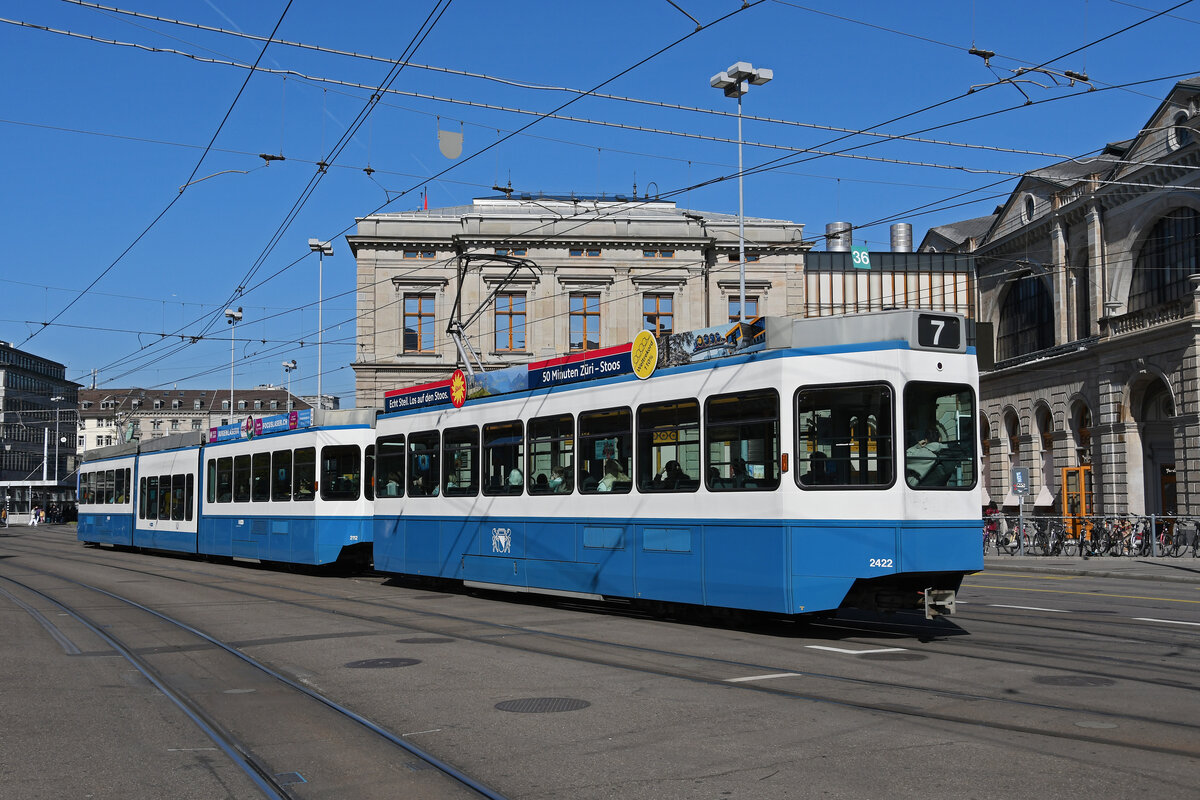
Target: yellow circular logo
644	354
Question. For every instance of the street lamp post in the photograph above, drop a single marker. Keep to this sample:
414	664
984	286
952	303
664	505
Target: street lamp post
735	82
288	367
58	399
325	249
233	318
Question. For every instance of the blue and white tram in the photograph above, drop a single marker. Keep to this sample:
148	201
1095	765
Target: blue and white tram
820	464
297	495
292	488
166	514
105	492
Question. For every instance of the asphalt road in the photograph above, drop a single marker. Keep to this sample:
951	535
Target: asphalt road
1048	683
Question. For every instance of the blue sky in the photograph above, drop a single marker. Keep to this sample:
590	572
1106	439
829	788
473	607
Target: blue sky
99	137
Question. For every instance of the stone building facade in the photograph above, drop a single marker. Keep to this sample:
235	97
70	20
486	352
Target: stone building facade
549	276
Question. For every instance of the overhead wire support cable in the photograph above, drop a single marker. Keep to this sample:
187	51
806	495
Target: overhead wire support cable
508	82
815	151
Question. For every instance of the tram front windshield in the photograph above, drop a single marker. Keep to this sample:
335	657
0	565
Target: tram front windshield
939	436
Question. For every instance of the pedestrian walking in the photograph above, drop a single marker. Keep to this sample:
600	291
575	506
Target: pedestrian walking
33	516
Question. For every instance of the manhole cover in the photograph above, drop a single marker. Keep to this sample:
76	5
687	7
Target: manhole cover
893	657
1072	680
542	705
425	640
383	663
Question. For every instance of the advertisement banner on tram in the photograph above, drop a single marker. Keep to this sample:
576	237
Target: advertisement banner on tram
717	341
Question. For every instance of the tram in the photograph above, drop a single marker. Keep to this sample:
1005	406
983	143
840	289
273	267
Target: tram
781	466
288	488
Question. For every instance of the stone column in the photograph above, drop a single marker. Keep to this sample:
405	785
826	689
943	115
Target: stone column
1097	264
1058	262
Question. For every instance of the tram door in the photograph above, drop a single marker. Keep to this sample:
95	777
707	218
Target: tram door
1077	497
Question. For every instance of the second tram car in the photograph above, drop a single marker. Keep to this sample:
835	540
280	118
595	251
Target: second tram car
291	488
810	465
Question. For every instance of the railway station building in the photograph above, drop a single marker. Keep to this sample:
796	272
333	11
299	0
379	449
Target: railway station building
1089	275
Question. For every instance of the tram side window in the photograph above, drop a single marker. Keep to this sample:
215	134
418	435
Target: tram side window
389	465
151	510
90	491
143	498
552	452
178	496
605	451
668	453
241	479
423	471
341	472
503	454
107	491
189	497
743	442
260	477
122	487
164	497
225	480
844	436
460	459
281	475
369	473
939	437
304	473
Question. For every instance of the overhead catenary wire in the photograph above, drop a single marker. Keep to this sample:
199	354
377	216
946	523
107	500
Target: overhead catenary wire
506	81
812	151
622	72
179	194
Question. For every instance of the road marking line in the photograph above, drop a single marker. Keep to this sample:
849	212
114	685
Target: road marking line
763	677
1168	621
987	574
1085	594
854	652
1029	608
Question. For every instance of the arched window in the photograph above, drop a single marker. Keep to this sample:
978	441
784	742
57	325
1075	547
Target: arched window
1167	257
1026	319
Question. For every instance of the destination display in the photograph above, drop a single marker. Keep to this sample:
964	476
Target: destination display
582	367
251	427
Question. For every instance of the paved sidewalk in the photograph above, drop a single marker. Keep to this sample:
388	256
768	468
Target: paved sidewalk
1185	569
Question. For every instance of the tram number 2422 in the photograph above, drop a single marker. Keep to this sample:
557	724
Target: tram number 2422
882	563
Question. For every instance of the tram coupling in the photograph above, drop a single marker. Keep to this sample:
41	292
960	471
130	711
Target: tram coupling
939	602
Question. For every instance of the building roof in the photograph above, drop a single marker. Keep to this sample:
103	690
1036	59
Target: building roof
957	233
210	399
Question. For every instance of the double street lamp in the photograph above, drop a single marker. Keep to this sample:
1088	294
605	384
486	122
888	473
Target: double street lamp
325	249
735	82
288	368
233	318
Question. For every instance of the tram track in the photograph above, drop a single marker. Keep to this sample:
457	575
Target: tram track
270	726
1010	714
